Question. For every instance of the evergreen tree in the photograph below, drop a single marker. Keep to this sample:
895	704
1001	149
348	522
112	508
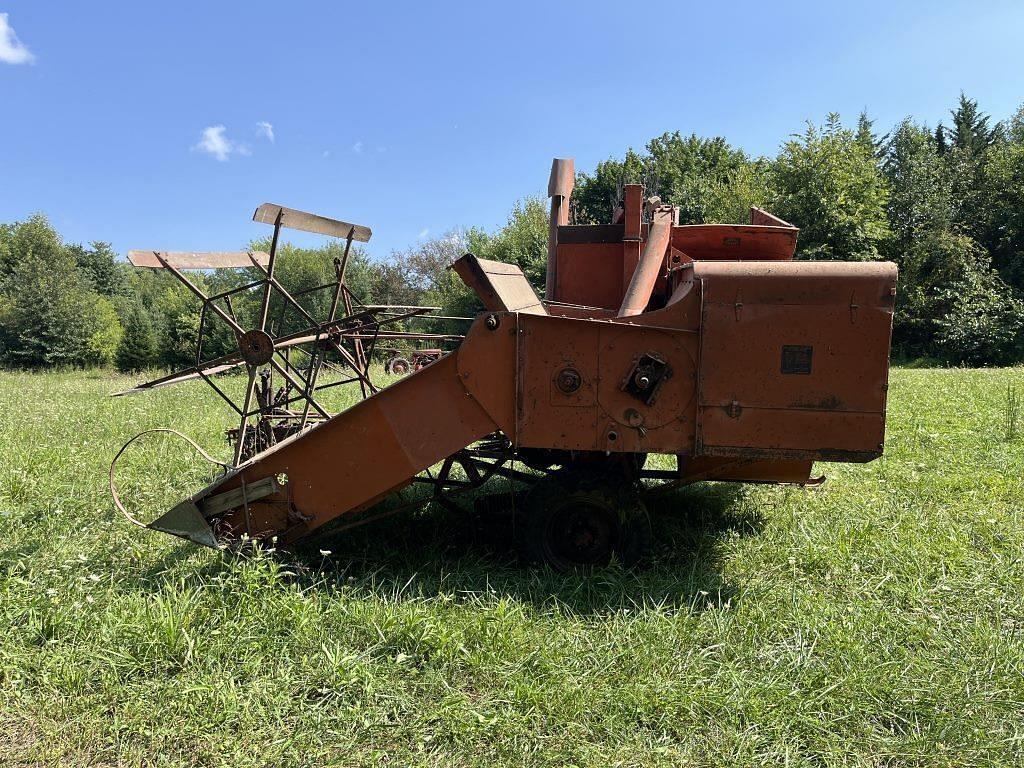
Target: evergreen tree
971	131
1015	126
920	193
50	314
100	266
45	321
830	185
866	135
137	349
966	164
1001	207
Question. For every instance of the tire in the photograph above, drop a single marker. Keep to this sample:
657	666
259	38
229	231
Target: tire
573	519
399	366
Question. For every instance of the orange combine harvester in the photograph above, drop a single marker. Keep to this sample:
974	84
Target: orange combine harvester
706	343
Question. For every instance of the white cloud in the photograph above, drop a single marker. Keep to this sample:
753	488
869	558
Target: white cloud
423	233
12	50
358	147
265	129
214	142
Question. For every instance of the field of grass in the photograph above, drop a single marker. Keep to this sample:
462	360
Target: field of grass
876	620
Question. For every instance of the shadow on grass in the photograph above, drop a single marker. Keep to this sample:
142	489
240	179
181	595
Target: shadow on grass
468	551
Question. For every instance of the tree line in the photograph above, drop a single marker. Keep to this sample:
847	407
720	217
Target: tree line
946	203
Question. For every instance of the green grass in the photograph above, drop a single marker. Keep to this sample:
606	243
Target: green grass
877	620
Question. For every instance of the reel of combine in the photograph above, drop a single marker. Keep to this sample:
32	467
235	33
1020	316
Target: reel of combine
284	369
290	356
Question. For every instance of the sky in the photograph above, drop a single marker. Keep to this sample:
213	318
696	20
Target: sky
164	125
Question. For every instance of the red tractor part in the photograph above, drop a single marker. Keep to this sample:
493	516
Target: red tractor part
705	342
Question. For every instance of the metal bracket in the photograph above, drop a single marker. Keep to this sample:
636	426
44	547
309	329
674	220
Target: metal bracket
646	378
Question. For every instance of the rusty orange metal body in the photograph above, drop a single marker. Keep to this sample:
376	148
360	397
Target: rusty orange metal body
707	343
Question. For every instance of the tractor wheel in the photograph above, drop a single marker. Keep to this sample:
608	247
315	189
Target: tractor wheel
399	366
573	519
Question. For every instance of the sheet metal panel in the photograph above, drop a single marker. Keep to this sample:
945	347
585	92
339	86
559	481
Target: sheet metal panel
362	454
601	415
735	242
794	358
501	287
590	274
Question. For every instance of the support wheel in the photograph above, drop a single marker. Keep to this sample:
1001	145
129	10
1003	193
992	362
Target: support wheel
573	519
399	366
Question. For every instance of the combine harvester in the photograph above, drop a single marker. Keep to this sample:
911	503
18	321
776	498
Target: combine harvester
704	342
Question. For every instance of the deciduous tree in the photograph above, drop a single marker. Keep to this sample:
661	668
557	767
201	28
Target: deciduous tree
830	185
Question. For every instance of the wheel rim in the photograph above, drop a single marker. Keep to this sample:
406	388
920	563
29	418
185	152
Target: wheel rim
581	534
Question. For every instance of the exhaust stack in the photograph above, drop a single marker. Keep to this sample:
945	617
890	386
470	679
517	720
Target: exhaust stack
560	184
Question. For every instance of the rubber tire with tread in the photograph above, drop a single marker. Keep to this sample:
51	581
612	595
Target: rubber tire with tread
399	366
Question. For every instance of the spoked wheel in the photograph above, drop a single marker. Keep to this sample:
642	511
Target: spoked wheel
576	519
399	366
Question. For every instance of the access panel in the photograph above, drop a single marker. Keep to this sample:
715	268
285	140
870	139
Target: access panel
794	359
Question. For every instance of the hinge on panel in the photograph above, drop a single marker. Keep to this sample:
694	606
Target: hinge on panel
738	306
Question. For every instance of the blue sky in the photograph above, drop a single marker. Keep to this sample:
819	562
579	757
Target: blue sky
414	118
